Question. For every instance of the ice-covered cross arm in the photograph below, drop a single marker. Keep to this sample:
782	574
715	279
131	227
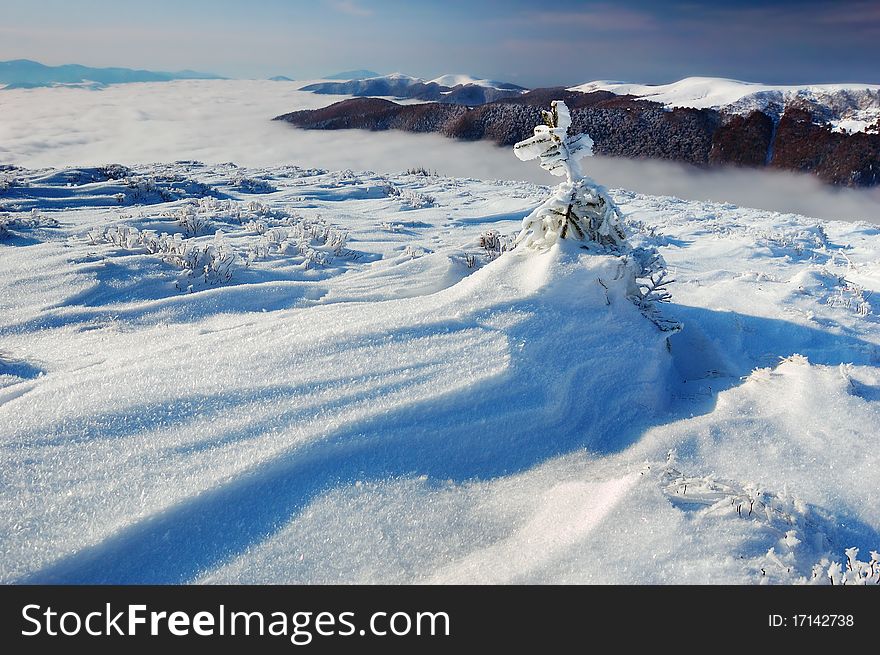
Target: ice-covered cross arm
556	151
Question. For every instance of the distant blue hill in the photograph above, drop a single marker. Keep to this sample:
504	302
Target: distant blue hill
24	73
353	75
281	78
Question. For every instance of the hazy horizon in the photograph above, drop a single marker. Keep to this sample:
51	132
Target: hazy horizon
806	42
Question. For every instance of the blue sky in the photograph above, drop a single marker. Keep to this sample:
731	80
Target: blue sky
774	41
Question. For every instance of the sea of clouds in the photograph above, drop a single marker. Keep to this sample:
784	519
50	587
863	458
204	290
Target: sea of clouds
230	120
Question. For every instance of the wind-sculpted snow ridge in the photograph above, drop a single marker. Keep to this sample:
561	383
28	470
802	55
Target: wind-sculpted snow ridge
425	404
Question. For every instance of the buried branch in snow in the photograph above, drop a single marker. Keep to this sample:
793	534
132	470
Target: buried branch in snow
579	209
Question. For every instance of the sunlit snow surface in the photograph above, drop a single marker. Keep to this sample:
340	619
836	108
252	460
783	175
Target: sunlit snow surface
846	108
366	397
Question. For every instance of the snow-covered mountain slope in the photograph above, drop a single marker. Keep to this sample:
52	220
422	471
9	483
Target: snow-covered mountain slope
460	79
325	378
461	89
846	107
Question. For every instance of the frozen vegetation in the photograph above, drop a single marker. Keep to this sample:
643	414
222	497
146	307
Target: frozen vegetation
282	374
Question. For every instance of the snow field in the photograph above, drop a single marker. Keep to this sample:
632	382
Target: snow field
412	408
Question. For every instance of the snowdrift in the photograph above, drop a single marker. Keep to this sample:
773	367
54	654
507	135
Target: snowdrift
528	358
374	396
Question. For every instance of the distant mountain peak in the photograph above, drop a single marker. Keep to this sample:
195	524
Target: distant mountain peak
353	75
25	73
453	80
449	89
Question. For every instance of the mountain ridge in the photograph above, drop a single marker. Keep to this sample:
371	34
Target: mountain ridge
846	107
797	138
446	89
26	73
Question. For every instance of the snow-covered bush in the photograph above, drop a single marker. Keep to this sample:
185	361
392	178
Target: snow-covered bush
191	220
252	185
8	182
408	199
853	571
38	219
804	536
581	210
833	289
30	221
414	252
145	188
799	243
851	296
214	261
421	170
308	242
494	243
115	171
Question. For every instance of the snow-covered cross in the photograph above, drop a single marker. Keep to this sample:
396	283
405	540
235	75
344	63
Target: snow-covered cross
578	208
556	150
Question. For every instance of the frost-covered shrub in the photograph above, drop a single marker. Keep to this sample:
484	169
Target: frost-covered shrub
191	220
413	200
38	219
144	189
831	288
228	211
490	241
30	221
851	296
853	571
196	216
214	261
115	171
8	182
649	286
308	242
252	185
800	532
408	199
421	170
493	243
811	242
581	210
577	208
314	241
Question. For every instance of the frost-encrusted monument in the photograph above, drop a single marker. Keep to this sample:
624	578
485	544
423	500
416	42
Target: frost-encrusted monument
581	210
